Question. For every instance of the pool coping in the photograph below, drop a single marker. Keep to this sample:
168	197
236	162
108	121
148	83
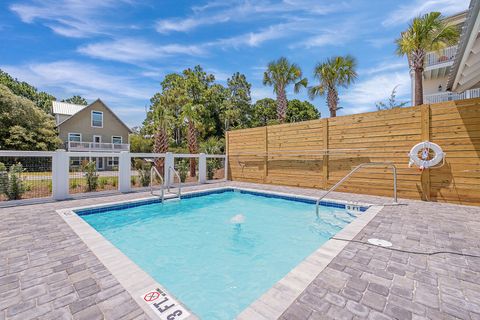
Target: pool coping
271	305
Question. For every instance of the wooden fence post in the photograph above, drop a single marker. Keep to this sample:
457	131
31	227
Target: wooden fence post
425	125
265	160
325	156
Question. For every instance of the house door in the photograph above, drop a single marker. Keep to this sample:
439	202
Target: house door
99	162
97	140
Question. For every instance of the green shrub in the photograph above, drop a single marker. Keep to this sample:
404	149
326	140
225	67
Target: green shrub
11	183
212	166
73	184
102	182
3	178
133	180
182	168
89	170
114	182
144	174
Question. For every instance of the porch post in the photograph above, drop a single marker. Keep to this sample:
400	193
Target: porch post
202	168
124	171
169	163
60	172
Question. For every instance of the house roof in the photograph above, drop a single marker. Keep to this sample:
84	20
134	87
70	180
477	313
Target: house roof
467	56
65	108
83	107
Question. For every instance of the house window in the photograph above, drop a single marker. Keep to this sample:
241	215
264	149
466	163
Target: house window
113	162
75	137
116	139
97	119
74	161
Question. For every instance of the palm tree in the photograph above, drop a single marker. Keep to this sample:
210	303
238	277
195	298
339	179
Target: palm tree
334	72
424	34
280	74
190	114
162	121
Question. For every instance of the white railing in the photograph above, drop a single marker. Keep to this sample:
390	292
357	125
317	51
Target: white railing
445	55
59	177
97	146
451	96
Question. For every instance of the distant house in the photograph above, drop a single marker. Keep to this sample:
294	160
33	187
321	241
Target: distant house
91	128
453	73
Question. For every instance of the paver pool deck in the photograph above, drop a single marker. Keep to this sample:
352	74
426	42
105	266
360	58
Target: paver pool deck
48	272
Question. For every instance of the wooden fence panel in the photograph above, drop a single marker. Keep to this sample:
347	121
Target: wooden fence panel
292	154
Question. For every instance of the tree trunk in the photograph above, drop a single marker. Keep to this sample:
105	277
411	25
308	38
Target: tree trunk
192	146
160	146
418	86
281	105
332	101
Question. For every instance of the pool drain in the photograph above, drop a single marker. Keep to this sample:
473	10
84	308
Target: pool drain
380	242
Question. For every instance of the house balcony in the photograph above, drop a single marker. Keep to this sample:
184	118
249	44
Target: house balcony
96	146
451	96
437	64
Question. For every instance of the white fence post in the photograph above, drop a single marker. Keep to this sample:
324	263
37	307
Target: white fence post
202	168
60	175
124	171
169	162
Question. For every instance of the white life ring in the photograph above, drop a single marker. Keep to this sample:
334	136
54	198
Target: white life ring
424	148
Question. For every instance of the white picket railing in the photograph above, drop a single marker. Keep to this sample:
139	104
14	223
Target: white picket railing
451	96
97	146
60	175
445	55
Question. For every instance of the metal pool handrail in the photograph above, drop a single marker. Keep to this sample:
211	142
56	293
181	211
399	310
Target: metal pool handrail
179	181
154	171
387	164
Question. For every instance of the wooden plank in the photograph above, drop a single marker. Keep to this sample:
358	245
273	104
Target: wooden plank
280	154
325	157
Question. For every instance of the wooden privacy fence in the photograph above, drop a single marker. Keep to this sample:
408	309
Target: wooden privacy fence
294	154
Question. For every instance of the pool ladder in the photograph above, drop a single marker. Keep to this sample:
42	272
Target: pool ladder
175	172
368	164
153	172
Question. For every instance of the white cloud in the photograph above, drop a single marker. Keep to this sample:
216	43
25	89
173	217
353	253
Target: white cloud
385	66
183	25
136	50
258	93
70	18
73	77
363	95
405	13
240	11
254	39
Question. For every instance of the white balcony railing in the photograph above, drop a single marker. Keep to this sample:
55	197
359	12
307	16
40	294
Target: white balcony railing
97	146
445	55
451	96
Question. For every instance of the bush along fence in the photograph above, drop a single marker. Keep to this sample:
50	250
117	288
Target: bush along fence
61	174
318	153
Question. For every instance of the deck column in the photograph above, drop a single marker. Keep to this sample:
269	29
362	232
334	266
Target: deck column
124	171
202	168
169	177
60	175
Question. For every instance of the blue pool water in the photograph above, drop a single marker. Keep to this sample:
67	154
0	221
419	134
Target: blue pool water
215	267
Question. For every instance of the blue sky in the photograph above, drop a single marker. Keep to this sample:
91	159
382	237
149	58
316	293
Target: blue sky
119	50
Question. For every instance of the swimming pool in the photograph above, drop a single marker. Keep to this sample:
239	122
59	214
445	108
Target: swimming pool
214	265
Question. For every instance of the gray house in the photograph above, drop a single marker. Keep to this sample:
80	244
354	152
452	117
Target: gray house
91	128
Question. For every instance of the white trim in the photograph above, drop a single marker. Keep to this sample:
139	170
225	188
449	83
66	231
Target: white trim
68	136
95	136
121	139
91	118
466	53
